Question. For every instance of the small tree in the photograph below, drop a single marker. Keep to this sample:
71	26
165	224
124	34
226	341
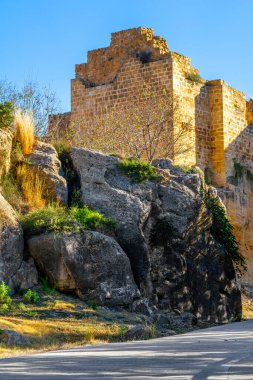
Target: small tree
40	101
149	124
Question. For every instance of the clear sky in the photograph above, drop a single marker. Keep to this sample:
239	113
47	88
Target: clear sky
43	39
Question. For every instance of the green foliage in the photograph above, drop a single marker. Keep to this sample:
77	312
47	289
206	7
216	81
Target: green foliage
5	293
137	170
46	286
193	77
21	306
240	171
60	219
6	115
222	230
238	168
31	296
4	307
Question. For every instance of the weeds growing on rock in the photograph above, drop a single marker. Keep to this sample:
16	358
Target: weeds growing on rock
137	170
61	219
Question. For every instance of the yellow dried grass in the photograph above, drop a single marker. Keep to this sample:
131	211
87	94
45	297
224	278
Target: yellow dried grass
24	123
32	185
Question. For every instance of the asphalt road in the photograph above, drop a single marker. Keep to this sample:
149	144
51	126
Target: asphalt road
224	352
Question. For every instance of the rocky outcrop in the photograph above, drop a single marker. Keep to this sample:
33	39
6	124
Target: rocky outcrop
165	231
6	136
13	269
89	263
44	160
11	241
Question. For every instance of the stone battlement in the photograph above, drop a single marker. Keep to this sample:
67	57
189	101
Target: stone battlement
103	64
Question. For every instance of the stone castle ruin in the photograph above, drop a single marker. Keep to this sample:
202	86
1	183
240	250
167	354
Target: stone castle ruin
220	142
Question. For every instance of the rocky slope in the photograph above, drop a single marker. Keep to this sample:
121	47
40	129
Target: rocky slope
161	261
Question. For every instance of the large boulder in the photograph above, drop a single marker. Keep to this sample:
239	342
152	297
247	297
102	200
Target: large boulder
44	160
11	241
89	263
165	230
13	269
6	136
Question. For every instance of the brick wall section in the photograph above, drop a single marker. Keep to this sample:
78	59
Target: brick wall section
234	124
193	99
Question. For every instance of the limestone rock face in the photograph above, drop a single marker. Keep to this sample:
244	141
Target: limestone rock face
45	160
6	136
13	269
90	263
165	231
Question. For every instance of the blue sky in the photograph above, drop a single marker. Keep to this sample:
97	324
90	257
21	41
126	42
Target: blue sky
43	39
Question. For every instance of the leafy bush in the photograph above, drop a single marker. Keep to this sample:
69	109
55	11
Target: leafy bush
31	296
5	293
46	286
21	306
4	307
6	114
222	230
60	219
137	170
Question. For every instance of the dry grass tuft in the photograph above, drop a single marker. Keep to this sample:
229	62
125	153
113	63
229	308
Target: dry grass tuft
25	126
32	185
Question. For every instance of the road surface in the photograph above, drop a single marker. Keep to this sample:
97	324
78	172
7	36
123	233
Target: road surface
224	352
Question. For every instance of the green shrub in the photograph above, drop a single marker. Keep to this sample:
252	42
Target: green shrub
21	306
60	219
222	230
31	296
46	286
6	115
4	307
137	170
5	293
